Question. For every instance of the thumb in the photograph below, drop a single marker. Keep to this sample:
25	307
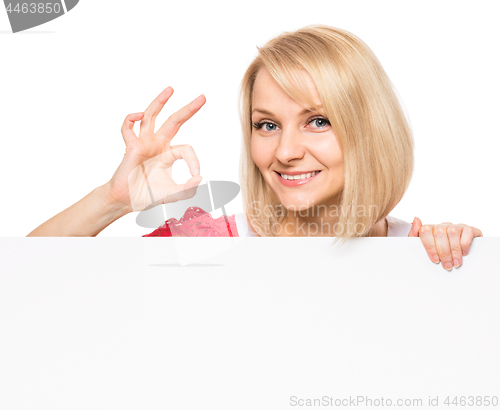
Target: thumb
415	227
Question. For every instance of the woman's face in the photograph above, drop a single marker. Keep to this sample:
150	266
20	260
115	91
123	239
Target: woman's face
290	140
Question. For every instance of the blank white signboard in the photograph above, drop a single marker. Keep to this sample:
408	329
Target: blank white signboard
266	323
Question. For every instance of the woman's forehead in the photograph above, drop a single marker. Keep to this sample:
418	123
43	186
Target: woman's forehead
296	86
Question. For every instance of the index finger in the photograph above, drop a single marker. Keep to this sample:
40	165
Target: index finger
427	238
148	122
174	122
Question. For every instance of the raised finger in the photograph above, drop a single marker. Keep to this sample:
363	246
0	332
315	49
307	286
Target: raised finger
186	152
427	238
454	234
174	122
148	122
443	245
415	228
128	126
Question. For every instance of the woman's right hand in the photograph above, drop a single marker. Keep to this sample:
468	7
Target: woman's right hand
144	177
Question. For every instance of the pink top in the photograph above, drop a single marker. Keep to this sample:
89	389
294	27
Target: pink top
197	222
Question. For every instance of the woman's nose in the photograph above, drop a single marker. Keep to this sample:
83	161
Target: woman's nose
290	146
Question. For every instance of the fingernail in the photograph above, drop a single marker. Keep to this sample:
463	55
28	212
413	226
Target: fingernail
435	258
448	266
196	172
463	253
456	263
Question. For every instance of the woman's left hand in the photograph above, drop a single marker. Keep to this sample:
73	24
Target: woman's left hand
445	242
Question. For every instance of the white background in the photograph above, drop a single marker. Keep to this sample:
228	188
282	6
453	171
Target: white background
66	86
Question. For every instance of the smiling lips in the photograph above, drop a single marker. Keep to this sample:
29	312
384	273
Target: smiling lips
296	178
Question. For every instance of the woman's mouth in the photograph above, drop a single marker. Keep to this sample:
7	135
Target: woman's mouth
298	179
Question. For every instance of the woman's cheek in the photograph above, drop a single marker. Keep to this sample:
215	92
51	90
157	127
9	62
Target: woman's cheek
260	154
327	151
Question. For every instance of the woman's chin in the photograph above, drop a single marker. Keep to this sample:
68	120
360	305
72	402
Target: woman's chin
297	205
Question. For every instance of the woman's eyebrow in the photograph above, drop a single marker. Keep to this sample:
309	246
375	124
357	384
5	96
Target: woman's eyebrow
307	110
262	111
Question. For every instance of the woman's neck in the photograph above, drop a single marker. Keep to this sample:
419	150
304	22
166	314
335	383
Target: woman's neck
314	221
381	228
310	225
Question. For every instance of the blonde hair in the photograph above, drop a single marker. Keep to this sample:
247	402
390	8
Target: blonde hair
362	107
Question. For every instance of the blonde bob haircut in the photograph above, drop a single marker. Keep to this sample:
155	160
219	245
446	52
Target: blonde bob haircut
361	105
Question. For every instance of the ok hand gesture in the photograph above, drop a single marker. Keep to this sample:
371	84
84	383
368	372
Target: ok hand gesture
144	177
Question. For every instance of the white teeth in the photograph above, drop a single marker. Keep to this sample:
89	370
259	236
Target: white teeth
302	176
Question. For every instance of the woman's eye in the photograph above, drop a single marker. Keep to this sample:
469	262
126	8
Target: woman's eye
319	122
266	126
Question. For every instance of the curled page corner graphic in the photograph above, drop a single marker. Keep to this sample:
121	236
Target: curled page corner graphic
24	14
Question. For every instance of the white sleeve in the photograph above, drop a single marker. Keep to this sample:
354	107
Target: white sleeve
397	227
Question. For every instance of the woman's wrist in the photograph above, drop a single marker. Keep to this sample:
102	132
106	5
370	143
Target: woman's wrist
112	206
95	212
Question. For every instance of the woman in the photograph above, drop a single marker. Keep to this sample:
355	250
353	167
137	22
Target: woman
327	151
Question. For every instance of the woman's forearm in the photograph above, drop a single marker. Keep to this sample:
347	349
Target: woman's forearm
87	217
